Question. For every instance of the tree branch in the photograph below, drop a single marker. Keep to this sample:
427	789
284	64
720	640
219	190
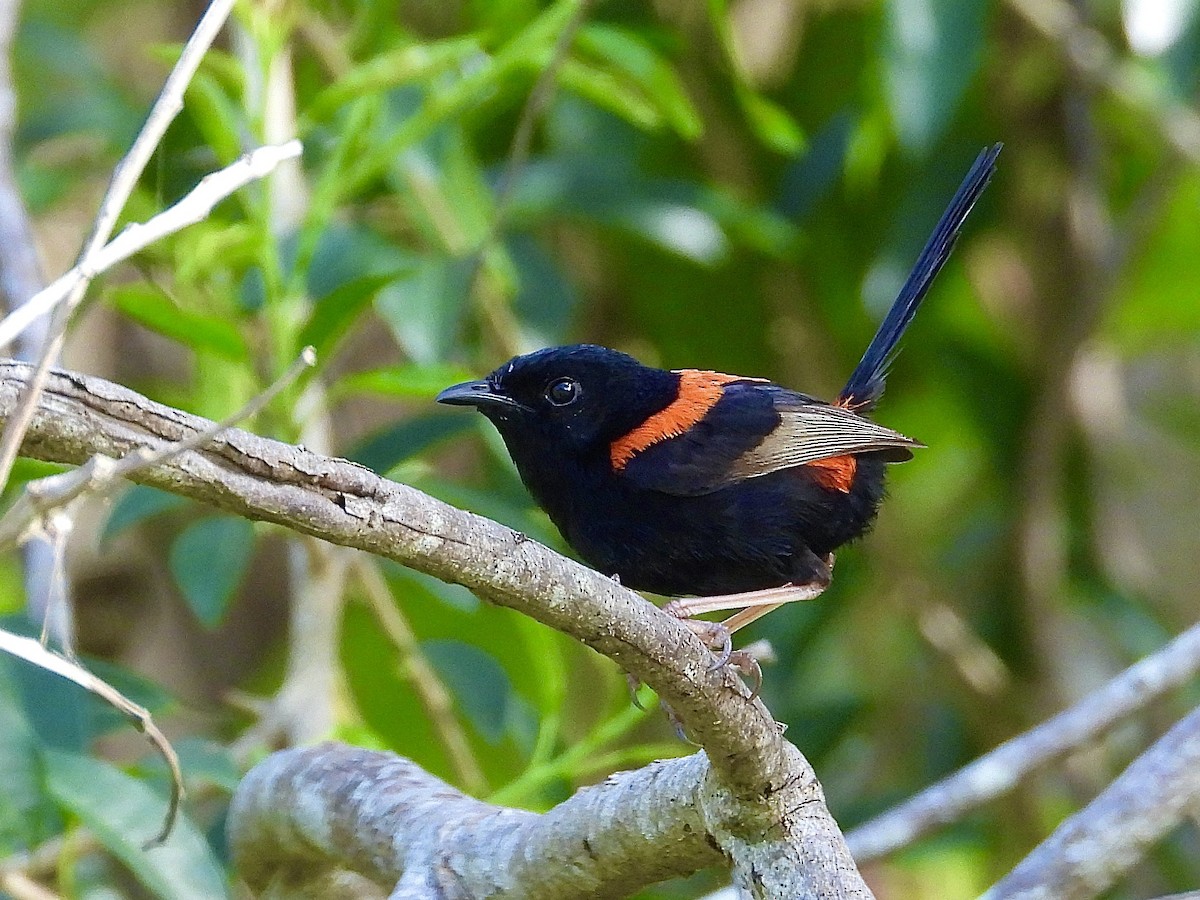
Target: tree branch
999	771
1097	845
775	828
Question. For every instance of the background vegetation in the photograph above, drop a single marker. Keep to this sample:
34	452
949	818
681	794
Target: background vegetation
732	186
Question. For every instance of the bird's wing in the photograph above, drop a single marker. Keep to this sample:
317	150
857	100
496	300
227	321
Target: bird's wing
754	429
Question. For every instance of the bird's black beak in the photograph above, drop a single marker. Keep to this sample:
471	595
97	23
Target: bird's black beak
474	393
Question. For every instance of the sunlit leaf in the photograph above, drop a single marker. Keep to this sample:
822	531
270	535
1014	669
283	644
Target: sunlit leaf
151	308
649	71
404	382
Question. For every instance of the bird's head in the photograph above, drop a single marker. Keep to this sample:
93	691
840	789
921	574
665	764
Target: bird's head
566	399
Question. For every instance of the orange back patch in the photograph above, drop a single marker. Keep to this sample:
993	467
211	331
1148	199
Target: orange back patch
835	473
699	392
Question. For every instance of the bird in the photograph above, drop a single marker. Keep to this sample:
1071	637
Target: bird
723	492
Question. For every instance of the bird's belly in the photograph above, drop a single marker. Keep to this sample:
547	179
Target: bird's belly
756	534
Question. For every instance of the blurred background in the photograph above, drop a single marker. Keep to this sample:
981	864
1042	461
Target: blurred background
737	186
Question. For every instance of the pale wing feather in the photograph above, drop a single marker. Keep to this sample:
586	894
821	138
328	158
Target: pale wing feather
812	431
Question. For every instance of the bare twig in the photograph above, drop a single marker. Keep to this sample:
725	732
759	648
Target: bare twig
1096	846
100	474
194	207
778	827
33	652
125	177
500	316
998	772
47	594
421	675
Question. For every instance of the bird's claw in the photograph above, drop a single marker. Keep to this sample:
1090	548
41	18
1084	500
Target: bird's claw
715	637
748	666
634	683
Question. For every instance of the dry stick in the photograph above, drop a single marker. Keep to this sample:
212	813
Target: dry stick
125	178
46	592
98	475
1088	853
420	674
1000	771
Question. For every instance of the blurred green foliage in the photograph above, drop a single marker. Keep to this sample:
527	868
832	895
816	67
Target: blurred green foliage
734	186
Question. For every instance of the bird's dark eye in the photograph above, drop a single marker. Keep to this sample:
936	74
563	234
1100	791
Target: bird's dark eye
563	391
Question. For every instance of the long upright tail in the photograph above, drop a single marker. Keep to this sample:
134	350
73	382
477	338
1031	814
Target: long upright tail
866	383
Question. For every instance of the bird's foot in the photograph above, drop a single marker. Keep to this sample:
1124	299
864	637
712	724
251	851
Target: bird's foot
748	667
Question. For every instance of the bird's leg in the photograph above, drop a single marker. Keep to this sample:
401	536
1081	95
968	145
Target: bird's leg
766	600
750	606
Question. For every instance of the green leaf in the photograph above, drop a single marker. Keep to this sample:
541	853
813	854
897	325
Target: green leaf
609	92
123	814
630	55
403	382
385	449
931	51
773	125
151	308
424	310
216	116
23	808
479	684
406	65
333	315
135	505
208	560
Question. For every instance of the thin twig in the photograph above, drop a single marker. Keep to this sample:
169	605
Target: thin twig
47	596
98	475
190	209
33	652
421	675
1001	770
101	474
125	178
506	328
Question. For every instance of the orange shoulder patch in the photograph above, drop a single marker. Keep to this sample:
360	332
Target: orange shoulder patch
835	473
699	392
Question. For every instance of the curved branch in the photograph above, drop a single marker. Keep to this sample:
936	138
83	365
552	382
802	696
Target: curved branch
382	816
777	831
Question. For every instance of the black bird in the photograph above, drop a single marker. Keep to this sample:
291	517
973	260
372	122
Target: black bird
692	482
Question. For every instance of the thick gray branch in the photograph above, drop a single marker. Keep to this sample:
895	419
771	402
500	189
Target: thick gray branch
382	817
777	833
1096	846
385	819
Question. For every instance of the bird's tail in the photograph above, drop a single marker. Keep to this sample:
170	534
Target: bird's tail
866	383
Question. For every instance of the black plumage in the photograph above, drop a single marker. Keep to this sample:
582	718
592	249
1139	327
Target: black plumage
697	482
